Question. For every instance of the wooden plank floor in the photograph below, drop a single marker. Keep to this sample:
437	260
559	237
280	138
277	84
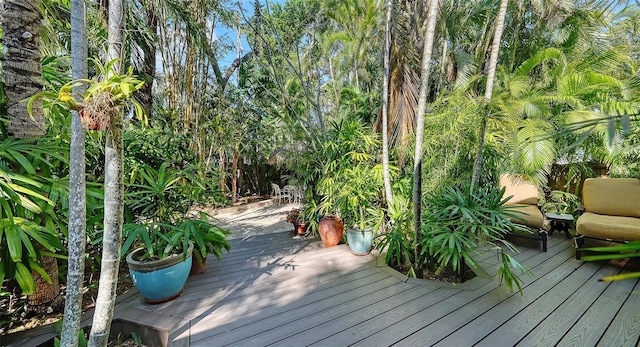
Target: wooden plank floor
277	290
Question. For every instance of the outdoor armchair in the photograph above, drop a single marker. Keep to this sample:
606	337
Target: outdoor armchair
525	200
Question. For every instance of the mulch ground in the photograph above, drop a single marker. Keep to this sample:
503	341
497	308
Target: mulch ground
16	314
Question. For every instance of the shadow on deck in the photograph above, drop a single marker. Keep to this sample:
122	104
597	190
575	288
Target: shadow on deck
280	290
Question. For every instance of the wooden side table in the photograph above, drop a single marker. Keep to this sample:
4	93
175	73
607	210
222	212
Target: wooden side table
560	222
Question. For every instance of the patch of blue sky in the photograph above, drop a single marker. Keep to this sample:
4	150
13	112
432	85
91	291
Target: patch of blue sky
230	35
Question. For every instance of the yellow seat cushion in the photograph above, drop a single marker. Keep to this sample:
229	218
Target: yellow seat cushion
612	196
615	228
528	215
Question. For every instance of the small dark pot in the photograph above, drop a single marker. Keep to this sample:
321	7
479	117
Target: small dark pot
198	264
330	229
300	229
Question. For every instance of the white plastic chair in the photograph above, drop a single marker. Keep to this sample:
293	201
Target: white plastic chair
278	194
289	192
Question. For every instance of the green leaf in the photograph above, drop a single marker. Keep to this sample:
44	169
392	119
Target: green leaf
24	279
14	242
621	277
38	269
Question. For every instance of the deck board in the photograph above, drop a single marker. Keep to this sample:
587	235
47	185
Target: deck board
458	318
221	324
589	328
282	290
624	329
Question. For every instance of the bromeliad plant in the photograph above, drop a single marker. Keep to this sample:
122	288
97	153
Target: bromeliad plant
105	94
461	220
296	217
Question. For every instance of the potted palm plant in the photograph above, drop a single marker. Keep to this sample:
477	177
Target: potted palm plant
357	201
158	220
350	184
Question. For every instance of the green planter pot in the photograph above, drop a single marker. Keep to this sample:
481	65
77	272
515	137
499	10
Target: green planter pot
360	241
160	280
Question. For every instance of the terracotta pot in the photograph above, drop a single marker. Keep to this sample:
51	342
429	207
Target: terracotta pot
330	230
198	264
300	229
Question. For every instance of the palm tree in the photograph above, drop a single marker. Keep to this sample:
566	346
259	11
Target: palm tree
404	80
21	64
113	197
23	79
356	23
385	104
427	51
491	72
77	186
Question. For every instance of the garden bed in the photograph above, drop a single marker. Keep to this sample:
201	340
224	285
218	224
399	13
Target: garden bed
17	316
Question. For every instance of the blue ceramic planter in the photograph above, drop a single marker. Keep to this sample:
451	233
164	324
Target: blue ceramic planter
160	280
360	242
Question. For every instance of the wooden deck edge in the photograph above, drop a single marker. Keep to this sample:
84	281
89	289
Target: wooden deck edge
154	329
481	279
43	334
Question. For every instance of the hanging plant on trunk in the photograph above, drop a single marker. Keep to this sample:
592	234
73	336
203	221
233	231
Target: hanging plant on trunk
106	93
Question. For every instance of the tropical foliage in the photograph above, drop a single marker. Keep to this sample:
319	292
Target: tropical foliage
235	98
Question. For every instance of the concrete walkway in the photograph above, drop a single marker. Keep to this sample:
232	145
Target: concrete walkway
264	217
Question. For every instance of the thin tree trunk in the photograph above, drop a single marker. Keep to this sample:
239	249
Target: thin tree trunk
77	185
234	176
491	73
21	65
113	199
385	105
144	95
427	52
222	167
443	64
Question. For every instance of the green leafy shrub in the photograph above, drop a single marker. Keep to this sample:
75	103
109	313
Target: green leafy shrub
460	220
31	224
561	202
157	217
396	236
351	182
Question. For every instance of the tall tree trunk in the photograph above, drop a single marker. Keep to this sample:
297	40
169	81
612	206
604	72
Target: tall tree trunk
23	78
427	52
77	185
491	73
144	94
385	104
21	65
113	198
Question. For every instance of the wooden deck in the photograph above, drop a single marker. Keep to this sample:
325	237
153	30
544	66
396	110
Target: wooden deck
283	291
278	290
